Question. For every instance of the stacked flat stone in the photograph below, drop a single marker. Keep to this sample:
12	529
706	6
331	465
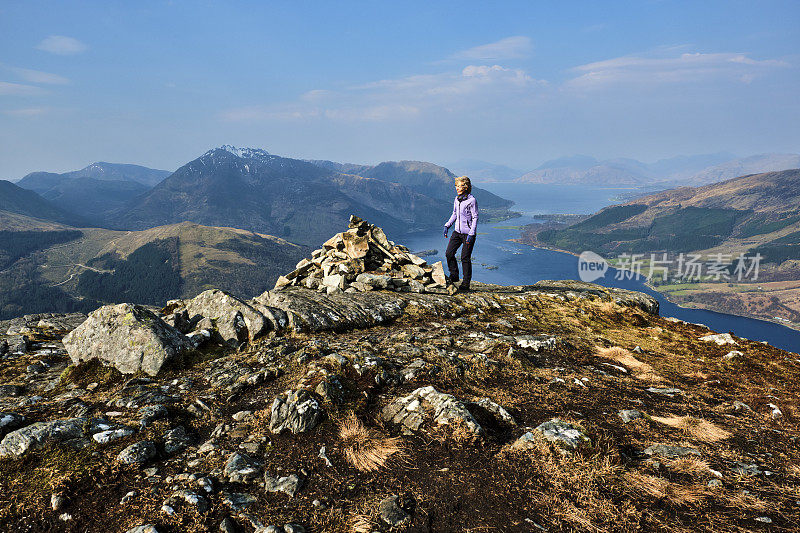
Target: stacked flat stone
363	259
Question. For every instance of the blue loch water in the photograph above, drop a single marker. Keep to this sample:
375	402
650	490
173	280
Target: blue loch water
518	264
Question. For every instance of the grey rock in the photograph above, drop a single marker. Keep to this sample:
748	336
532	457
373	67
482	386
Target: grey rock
39	434
376	281
176	440
496	410
138	453
744	469
241	468
129	337
671	452
665	391
11	390
237	501
628	415
151	413
392	514
565	433
9	422
199	337
228	525
293	528
190	498
236	321
149	528
410	412
622	297
297	411
719	338
287	484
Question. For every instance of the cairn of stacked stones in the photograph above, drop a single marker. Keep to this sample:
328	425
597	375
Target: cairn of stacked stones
364	259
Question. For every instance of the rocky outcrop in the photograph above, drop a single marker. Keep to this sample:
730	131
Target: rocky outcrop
127	336
297	411
235	320
426	404
40	434
363	259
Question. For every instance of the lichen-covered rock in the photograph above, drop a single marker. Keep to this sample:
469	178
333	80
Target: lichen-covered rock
241	468
40	434
297	411
148	528
287	484
412	411
622	297
138	453
719	338
127	336
669	451
564	433
236	321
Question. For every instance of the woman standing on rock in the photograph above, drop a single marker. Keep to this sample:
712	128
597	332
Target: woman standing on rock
465	217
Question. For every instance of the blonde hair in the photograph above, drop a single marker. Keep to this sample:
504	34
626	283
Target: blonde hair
465	181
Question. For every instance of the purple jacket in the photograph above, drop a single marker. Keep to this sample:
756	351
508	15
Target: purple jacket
465	215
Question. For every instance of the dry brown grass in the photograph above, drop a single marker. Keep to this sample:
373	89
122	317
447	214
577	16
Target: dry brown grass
574	489
661	489
638	369
362	524
742	500
794	470
690	464
365	448
700	429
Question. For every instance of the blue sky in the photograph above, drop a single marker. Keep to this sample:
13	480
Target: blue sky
158	83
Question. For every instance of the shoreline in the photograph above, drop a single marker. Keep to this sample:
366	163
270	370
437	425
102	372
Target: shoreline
647	284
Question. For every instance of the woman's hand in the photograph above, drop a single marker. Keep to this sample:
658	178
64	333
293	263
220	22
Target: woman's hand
470	239
446	229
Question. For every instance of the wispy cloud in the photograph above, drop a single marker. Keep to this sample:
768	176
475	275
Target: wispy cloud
473	87
684	68
509	48
37	76
19	89
26	112
61	45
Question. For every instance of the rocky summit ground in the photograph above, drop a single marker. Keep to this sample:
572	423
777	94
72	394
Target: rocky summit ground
560	406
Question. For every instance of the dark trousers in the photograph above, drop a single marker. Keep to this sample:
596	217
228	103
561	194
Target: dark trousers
456	240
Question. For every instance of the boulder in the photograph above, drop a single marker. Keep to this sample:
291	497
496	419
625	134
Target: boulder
138	453
236	321
287	484
564	433
40	434
127	336
297	411
427	404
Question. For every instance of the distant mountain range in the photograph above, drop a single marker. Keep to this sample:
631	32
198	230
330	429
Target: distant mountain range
110	233
759	212
96	191
296	200
251	189
663	174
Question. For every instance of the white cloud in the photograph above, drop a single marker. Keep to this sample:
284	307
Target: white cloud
509	48
37	76
19	89
61	45
26	112
474	87
685	68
